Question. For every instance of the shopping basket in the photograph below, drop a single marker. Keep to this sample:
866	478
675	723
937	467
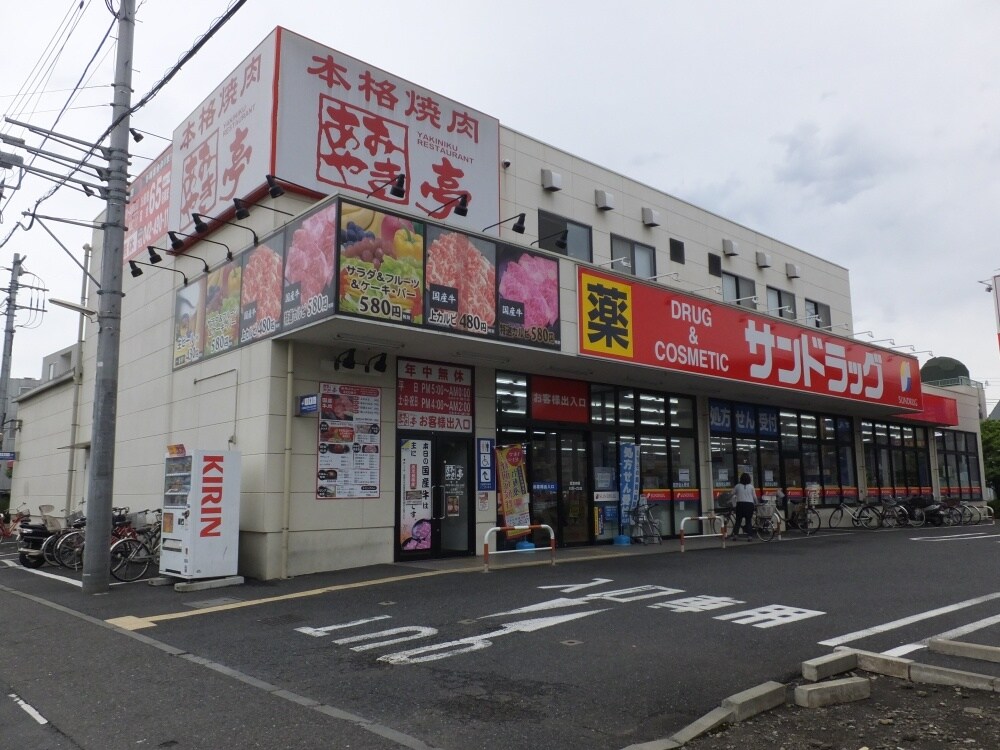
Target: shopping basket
764	510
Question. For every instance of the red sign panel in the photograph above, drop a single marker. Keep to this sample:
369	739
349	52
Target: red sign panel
938	410
653	326
560	400
433	397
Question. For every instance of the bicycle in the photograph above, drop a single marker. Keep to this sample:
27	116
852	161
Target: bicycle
10	523
893	513
69	547
644	526
867	516
131	558
765	521
804	517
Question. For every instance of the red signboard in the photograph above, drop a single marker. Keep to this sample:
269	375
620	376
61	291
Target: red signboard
649	325
938	410
148	206
559	400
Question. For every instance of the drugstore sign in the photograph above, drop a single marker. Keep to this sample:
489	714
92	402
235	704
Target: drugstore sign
656	327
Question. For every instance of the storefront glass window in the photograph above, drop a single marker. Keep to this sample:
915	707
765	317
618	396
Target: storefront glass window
684	472
602	404
770	464
682	412
512	395
604	454
652	410
654	466
626	408
723	464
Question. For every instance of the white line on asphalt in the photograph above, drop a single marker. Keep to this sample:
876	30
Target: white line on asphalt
859	634
945	636
54	577
28	709
972	536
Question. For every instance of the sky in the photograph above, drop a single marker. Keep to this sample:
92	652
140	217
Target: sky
867	133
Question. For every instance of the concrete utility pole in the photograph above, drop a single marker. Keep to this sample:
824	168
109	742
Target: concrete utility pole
8	342
100	486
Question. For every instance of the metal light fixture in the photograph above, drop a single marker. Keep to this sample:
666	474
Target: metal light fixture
714	288
462	209
810	316
861	333
624	261
879	341
243	210
192	257
989	286
675	275
751	298
345	359
517	227
398	189
138	135
377	363
923	351
778	310
911	347
201	227
154	257
561	242
136	271
178	244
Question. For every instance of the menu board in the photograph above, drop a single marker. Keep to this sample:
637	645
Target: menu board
461	282
381	266
349	441
189	308
222	308
310	268
260	301
528	291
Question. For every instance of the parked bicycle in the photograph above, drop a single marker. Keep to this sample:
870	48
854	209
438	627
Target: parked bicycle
644	528
864	516
804	517
131	558
10	522
766	521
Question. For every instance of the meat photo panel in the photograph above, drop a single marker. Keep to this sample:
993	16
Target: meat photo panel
528	297
461	282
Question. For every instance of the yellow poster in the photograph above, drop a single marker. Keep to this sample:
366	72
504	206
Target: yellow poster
512	485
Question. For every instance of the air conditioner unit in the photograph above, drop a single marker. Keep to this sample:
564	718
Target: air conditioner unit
551	180
650	217
763	259
792	270
730	248
604	200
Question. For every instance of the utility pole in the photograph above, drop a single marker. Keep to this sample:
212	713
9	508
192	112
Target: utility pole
8	342
100	485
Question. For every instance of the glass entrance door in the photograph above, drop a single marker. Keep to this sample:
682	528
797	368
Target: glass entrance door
560	486
434	511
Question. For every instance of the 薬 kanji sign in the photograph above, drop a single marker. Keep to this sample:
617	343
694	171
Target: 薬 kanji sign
689	334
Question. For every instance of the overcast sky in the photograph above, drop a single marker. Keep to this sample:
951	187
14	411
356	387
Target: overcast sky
867	133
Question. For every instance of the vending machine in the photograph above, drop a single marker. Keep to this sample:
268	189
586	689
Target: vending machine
201	513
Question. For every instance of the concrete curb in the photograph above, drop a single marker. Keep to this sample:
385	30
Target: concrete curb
770	695
968	650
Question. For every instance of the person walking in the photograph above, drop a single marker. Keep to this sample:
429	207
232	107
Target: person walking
745	497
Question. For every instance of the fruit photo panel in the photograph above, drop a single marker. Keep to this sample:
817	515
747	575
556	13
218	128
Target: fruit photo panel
461	282
527	297
222	308
310	268
381	266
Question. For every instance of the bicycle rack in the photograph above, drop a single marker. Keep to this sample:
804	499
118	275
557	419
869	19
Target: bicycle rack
532	527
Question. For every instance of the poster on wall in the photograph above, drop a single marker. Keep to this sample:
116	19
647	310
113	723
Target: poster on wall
528	297
349	441
512	481
381	266
415	506
310	268
260	300
431	396
189	311
461	283
628	471
222	308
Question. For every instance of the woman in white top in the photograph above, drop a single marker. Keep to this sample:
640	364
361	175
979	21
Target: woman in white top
745	497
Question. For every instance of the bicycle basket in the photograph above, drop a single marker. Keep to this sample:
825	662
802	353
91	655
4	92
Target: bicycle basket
764	510
724	500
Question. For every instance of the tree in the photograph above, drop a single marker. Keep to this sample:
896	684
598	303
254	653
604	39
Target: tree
990	429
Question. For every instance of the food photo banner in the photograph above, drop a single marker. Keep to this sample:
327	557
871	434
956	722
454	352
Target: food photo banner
349	259
652	326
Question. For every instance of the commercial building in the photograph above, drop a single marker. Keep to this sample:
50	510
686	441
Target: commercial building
366	289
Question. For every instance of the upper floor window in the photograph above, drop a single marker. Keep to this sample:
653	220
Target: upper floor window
633	257
780	303
817	314
739	290
676	251
578	239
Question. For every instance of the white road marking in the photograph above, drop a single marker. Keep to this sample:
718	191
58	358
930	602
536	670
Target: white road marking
438	651
620	596
570	588
30	710
859	634
974	536
909	648
770	616
946	636
320	632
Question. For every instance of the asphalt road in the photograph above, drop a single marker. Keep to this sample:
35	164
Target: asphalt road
602	650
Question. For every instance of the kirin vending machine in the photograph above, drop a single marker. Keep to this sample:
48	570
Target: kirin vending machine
201	513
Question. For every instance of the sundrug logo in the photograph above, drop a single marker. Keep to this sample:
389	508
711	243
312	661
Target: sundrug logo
212	473
905	378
